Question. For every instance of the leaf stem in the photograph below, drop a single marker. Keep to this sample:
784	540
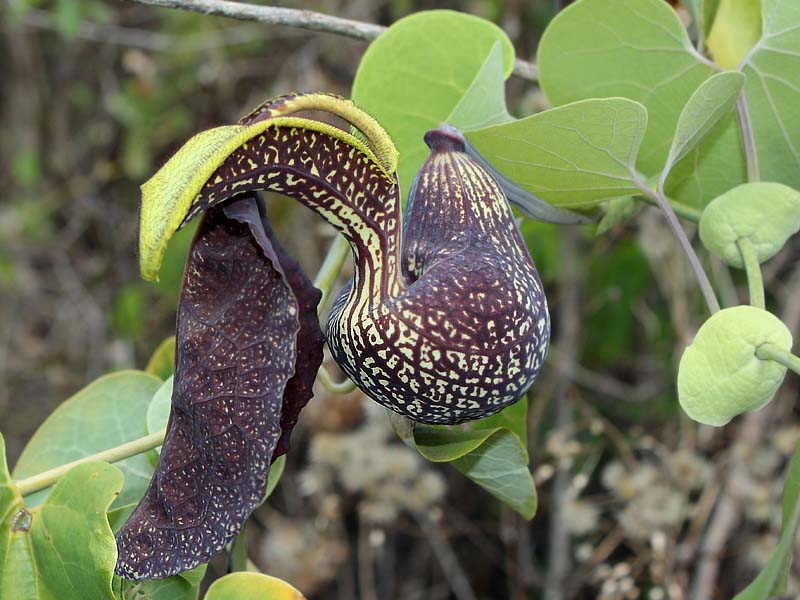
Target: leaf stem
748	140
343	387
237	552
47	478
661	199
682	210
755	282
779	355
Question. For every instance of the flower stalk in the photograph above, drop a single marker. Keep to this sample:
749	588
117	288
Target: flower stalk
50	477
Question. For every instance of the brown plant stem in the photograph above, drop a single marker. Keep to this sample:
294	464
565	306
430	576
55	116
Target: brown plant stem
569	319
302	19
680	235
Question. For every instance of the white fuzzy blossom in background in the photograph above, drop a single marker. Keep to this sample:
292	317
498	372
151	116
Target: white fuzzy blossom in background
372	462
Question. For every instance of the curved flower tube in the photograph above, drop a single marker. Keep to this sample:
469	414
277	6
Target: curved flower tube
445	319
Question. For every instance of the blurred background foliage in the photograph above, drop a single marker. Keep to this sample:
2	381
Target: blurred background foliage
95	96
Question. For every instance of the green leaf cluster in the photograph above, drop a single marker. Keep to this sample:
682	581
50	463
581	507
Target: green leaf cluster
58	542
492	452
639	112
63	548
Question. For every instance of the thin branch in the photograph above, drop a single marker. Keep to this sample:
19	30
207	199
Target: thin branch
779	355
755	282
116	454
329	271
680	235
568	309
340	387
273	15
302	19
448	560
684	211
748	139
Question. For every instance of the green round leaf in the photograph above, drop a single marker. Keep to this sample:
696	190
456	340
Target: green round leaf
415	74
767	214
108	412
639	49
251	586
719	375
772	90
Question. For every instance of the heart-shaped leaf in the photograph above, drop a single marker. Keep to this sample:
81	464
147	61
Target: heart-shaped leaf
500	466
772	90
639	49
416	73
719	375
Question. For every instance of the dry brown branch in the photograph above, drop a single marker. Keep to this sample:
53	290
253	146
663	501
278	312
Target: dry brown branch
448	561
569	310
302	19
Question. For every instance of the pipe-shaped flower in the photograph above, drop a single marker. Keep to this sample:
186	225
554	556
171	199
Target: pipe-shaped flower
445	319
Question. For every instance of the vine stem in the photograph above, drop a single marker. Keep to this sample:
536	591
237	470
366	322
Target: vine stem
47	478
779	355
684	211
326	276
661	199
330	268
755	282
342	387
748	139
303	19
